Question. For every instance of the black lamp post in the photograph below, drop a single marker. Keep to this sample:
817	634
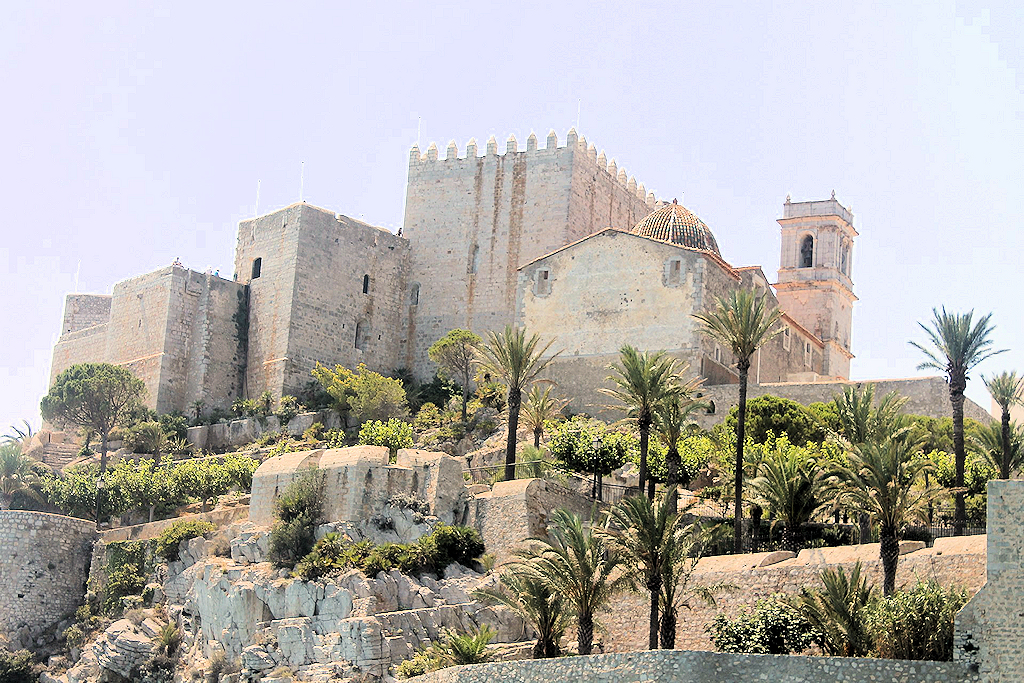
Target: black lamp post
596	445
100	485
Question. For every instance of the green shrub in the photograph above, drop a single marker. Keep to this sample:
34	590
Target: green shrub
123	582
452	649
160	669
169	540
299	511
288	408
270	438
314	432
245	407
240	469
428	417
393	434
16	667
916	623
204	479
454	544
770	627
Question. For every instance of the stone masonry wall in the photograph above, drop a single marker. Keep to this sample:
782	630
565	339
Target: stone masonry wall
85	310
989	632
705	667
952	561
472	221
44	563
926	396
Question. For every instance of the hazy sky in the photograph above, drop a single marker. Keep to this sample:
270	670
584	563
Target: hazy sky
134	134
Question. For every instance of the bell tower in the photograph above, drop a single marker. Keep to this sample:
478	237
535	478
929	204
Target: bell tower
815	285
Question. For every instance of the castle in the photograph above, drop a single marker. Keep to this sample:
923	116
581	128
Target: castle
555	239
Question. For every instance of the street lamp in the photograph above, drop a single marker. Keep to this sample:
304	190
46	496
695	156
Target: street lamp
596	445
100	485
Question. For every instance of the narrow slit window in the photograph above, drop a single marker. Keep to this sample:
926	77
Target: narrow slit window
366	284
414	295
257	267
543	282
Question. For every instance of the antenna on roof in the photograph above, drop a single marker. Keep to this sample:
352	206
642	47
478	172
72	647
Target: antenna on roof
302	179
78	270
257	198
419	123
579	105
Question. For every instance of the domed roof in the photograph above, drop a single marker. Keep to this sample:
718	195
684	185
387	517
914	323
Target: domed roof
674	223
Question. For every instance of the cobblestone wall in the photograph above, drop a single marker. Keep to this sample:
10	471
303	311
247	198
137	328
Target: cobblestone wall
44	563
705	667
989	631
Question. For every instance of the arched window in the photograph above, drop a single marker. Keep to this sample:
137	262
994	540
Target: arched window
414	294
844	259
366	284
807	252
257	267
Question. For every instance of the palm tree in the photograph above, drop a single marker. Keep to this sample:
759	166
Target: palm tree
575	564
672	417
517	361
1002	455
839	612
958	347
682	553
884	478
16	475
792	486
742	322
534	601
643	380
1006	389
18	435
540	408
860	420
639	530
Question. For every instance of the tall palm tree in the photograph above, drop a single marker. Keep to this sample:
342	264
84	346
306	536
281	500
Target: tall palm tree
672	418
858	418
743	322
1002	454
958	347
885	478
575	564
678	589
792	486
16	475
534	601
640	530
642	381
838	612
1006	389
517	361
540	408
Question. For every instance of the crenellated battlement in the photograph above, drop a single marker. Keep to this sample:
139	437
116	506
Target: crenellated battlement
573	143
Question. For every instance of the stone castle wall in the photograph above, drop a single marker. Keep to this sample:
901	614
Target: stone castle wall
705	667
44	563
472	221
85	310
173	328
331	289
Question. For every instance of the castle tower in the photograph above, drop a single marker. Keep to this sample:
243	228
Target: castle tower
814	285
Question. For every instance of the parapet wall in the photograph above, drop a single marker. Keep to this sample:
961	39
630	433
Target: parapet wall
705	667
44	564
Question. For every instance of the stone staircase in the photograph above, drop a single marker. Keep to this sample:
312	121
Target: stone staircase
57	455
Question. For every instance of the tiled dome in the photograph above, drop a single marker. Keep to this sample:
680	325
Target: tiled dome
674	223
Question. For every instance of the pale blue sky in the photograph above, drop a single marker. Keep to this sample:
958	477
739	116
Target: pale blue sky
134	134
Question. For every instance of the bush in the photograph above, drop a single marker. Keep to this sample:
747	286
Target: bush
428	417
394	434
160	669
202	479
124	581
240	469
245	407
169	540
314	433
288	408
16	667
917	623
299	511
452	649
770	627
364	394
455	544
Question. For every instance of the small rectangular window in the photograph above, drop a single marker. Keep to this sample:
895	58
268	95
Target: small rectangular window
675	272
257	267
786	339
542	286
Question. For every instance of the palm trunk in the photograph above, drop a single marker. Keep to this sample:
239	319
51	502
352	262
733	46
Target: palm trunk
755	528
536	438
668	628
539	649
650	488
789	537
654	586
741	433
551	648
645	436
585	633
515	398
1004	466
672	478
956	397
864	524
890	554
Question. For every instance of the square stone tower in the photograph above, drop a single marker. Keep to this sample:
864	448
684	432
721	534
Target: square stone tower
472	221
814	286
